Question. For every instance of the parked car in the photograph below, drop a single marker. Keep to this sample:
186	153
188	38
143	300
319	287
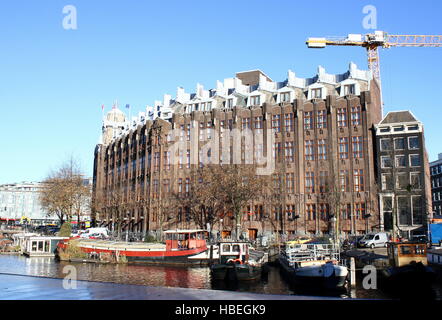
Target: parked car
372	240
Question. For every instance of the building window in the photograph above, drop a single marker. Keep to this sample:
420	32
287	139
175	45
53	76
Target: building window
343	148
187	190
309	182
415	160
288	119
309	150
308	120
321	119
188	159
356	116
358	180
387	181
181	132
399	143
357	147
246	123
209	130
323	211
180	186
385	162
285	97
403	205
277	151
415	180
276	123
349	89
156	161
188	132
360	211
400	161
310	212
317	93
289	154
290	182
401	181
255	100
258	122
346	212
344	180
230	103
342	117
417	212
413	143
322	149
385	144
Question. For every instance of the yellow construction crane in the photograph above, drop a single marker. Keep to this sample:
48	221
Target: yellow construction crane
378	39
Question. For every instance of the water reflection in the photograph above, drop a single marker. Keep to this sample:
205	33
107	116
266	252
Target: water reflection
192	277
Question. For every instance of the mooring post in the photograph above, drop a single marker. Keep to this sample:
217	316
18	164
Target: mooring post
211	254
352	272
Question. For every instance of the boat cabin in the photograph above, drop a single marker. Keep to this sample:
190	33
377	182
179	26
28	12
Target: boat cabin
403	253
185	239
41	246
233	251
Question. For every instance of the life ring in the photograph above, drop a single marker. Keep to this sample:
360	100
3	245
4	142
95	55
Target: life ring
237	261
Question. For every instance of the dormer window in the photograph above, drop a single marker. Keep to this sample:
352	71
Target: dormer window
349	89
285	97
317	93
255	100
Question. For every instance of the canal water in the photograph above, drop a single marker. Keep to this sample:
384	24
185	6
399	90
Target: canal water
191	277
184	277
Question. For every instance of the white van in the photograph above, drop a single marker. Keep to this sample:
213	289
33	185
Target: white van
95	232
372	240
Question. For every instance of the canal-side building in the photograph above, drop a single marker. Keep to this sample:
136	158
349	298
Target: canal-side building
21	200
403	174
315	132
436	185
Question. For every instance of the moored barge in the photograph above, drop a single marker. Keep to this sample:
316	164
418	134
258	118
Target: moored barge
179	247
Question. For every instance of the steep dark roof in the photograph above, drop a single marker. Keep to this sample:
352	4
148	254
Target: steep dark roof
398	116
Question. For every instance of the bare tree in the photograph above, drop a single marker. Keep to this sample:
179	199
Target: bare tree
63	192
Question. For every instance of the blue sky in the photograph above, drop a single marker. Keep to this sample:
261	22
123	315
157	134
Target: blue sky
53	81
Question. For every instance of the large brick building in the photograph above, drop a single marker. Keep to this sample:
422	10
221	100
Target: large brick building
313	135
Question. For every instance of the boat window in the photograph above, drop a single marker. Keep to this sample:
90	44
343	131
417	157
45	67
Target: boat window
405	250
192	236
47	246
420	250
34	246
236	248
226	248
40	246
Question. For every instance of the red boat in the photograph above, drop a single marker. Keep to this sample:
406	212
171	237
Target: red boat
179	247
